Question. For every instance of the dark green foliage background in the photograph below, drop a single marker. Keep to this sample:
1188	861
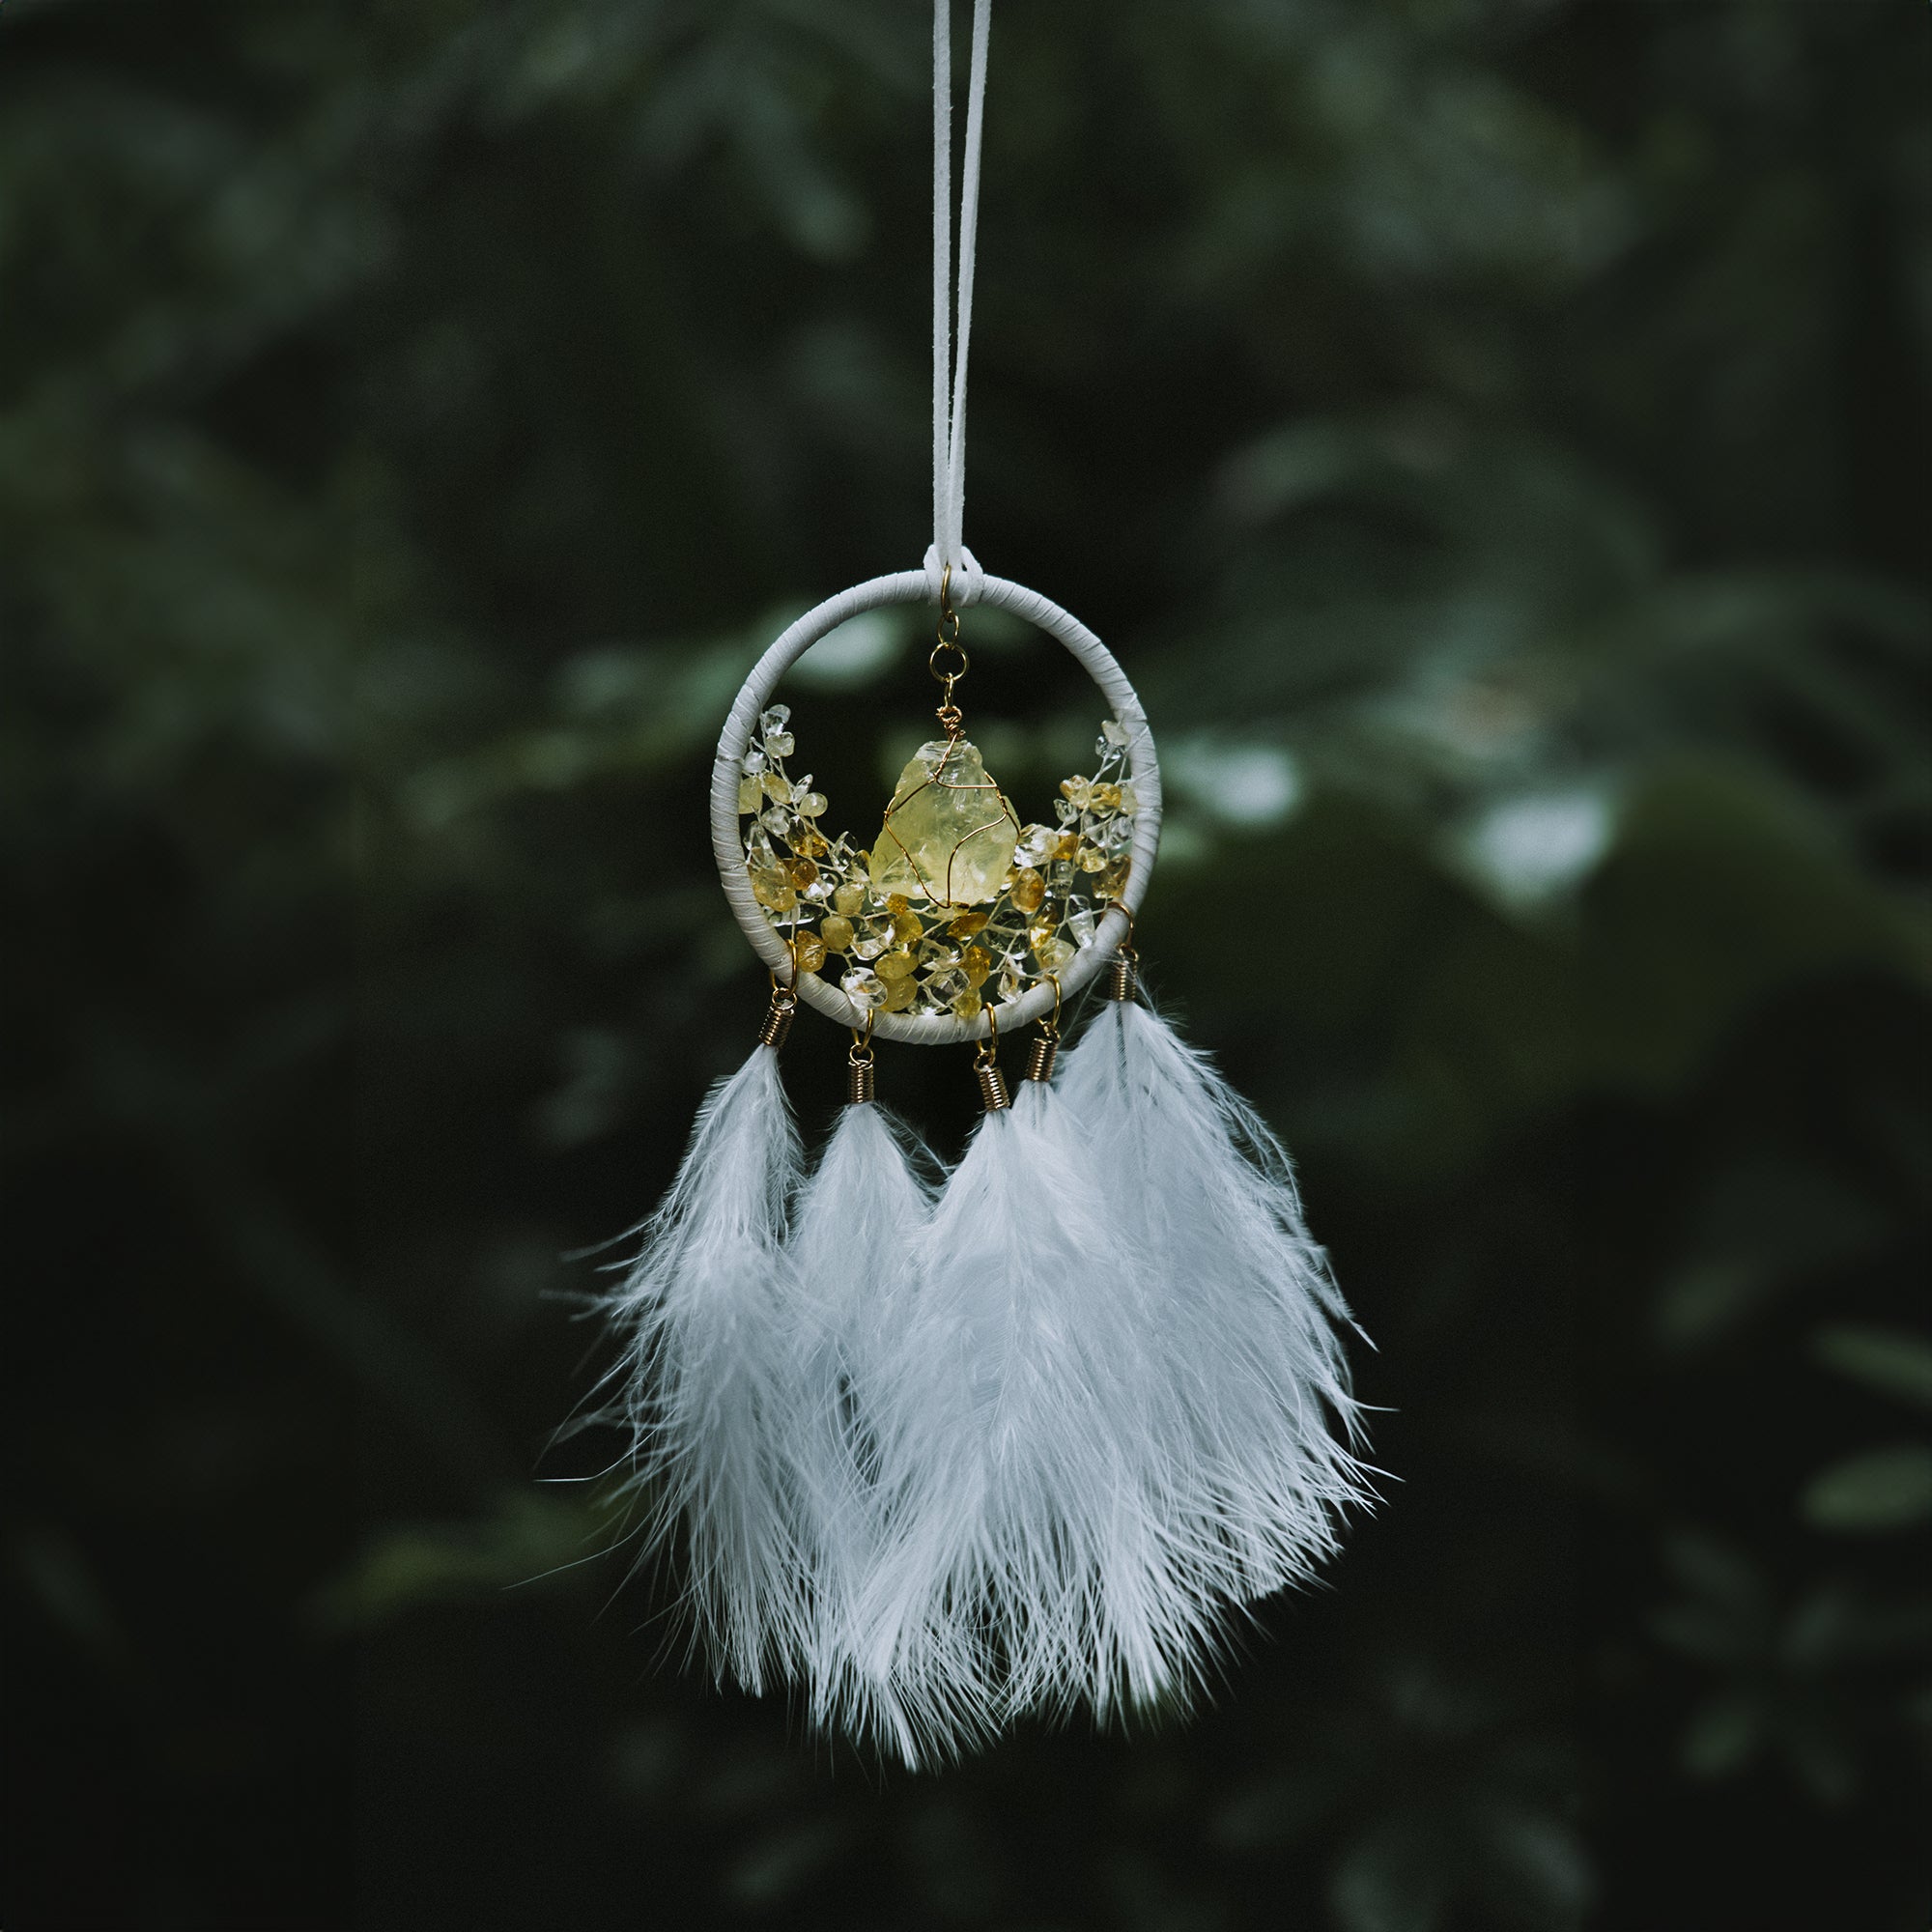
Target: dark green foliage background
1492	433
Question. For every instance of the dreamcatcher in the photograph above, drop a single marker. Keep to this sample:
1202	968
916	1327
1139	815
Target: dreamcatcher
1025	1437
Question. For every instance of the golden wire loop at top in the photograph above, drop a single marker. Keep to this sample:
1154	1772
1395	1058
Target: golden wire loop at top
1127	942
987	1050
1051	1027
782	994
860	1054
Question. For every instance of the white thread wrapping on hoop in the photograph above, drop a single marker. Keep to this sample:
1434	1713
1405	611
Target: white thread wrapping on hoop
911	587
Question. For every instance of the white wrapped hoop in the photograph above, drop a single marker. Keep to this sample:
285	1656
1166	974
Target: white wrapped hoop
915	587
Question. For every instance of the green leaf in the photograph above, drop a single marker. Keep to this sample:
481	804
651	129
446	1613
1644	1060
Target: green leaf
1882	1489
1889	1359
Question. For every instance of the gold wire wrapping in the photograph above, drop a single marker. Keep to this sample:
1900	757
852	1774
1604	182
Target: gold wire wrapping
993	1094
941	893
858	1065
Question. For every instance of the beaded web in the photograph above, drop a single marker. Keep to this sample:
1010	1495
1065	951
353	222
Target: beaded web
908	950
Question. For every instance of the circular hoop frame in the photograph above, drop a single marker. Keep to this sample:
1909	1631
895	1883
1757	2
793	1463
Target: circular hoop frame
916	586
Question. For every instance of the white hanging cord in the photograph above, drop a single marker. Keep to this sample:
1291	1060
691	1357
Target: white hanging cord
948	365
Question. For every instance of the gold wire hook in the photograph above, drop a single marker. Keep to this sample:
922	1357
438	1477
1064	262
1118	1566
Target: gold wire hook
988	1048
1051	1028
948	635
781	989
860	1054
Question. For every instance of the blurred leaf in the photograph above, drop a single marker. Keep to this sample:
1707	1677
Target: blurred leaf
1882	1489
1891	1360
1722	1737
531	1539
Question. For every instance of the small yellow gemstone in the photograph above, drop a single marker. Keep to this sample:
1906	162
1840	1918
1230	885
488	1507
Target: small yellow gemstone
1090	858
898	903
1052	955
1067	845
1028	890
801	872
807	841
777	788
906	926
774	889
814	804
810	953
967	924
976	963
1105	797
895	965
849	899
1078	791
1111	879
751	794
900	994
967	1005
836	932
1131	799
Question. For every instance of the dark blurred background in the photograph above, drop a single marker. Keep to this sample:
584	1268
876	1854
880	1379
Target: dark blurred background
1492	433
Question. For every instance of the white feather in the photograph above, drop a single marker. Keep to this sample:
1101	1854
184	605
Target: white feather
1022	1433
855	1234
1202	1191
711	1370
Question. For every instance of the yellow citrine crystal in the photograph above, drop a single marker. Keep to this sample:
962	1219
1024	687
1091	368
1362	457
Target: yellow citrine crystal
771	888
810	953
837	931
1029	890
948	832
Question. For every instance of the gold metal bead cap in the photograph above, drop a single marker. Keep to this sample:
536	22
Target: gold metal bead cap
993	1094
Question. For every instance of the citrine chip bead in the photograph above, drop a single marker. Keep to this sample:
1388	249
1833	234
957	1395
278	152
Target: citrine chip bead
895	965
810	953
751	794
976	963
836	932
1029	889
849	899
774	890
